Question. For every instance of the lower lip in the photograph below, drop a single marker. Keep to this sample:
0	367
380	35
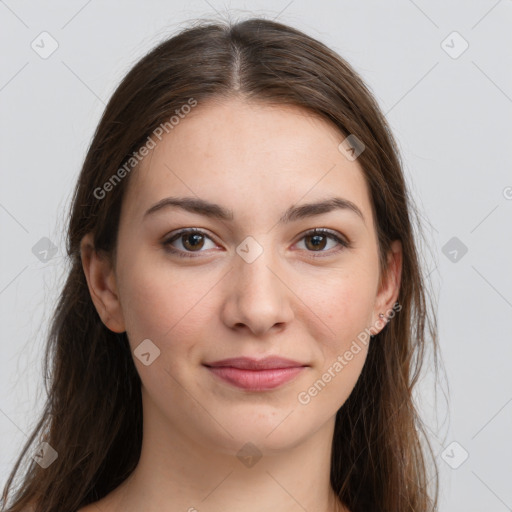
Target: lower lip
256	380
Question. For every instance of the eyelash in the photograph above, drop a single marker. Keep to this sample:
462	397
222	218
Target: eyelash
317	231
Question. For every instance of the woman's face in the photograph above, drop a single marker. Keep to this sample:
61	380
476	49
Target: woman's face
257	283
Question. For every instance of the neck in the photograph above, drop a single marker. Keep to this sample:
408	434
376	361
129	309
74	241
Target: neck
178	472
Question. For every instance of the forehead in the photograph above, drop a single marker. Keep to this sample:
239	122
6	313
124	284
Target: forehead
251	157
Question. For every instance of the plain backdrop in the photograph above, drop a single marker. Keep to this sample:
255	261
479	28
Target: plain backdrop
442	74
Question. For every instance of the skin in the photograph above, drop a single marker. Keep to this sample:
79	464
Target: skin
256	160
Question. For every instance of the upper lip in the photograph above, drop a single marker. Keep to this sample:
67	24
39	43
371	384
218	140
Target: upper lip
247	363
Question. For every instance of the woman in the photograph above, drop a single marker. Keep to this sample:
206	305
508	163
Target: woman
245	316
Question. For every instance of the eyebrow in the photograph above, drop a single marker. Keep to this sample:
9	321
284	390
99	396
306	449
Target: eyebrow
294	213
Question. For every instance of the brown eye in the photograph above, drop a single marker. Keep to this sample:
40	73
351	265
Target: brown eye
192	241
316	242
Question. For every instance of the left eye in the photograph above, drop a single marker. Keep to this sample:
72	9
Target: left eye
318	239
193	240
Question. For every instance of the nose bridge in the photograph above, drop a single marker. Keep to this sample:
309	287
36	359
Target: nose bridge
252	267
259	298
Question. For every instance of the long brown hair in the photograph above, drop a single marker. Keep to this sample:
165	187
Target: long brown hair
93	414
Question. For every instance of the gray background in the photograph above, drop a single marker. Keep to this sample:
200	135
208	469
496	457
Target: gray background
450	110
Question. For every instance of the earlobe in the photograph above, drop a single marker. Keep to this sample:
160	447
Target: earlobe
102	285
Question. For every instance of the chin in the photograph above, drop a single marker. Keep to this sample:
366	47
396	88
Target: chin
268	435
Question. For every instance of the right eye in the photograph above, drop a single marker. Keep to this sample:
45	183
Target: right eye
190	239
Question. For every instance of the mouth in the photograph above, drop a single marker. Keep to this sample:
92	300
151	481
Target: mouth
256	375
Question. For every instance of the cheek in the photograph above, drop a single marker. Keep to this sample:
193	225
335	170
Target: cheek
162	303
344	300
346	309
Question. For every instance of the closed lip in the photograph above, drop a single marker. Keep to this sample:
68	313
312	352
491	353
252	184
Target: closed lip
248	363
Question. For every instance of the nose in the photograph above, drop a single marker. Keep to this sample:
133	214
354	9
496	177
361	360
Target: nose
258	297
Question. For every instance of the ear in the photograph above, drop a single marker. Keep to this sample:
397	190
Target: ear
389	286
101	281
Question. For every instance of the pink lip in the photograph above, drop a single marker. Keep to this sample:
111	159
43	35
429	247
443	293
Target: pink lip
256	375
